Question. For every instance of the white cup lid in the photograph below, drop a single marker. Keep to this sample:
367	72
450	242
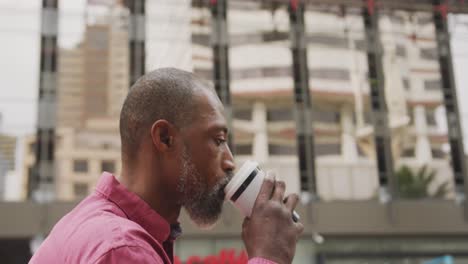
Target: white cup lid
239	178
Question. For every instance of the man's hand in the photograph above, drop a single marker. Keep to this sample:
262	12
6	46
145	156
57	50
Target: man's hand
270	232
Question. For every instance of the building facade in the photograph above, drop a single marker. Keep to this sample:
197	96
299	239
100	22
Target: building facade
7	162
262	84
93	82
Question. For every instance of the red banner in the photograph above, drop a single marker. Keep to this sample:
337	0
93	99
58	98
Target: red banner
226	256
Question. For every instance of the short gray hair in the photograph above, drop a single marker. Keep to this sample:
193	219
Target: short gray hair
165	93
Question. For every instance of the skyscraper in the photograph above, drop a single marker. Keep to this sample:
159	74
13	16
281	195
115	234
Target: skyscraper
93	82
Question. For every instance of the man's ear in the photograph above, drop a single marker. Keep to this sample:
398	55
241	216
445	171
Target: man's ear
163	134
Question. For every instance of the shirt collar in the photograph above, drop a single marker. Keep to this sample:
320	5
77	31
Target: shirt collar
134	207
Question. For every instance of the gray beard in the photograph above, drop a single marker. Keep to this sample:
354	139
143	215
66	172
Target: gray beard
204	206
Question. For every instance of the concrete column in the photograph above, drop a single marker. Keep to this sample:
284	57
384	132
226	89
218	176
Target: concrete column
260	144
423	147
348	140
382	132
356	82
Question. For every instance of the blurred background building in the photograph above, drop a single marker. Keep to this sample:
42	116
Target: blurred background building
263	103
92	84
91	51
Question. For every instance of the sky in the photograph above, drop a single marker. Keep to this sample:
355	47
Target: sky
19	55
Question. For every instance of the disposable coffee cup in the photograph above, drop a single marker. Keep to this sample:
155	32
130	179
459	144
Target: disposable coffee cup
243	189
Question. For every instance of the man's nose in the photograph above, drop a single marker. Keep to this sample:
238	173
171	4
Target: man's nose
228	160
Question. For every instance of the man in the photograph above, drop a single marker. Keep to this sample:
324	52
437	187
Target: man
174	155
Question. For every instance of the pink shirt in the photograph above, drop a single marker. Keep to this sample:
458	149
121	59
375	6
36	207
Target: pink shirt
112	225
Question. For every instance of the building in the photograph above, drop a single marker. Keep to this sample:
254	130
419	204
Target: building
357	227
93	82
262	90
263	100
7	162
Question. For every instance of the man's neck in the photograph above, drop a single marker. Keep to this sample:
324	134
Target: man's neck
159	198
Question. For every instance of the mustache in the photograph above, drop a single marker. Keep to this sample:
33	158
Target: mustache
229	176
224	182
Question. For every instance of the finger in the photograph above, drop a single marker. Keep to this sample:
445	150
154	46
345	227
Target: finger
245	223
266	189
299	227
244	227
291	201
278	193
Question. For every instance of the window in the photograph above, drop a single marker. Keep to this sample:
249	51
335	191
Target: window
204	73
30	172
400	51
408	153
80	166
243	149
396	19
429	54
324	149
360	44
406	84
411	114
330	74
438	153
328	40
280	114
260	72
201	39
324	116
275	36
80	189
432	85
431	118
106	146
32	147
368	119
277	149
425	20
243	113
243	39
108	165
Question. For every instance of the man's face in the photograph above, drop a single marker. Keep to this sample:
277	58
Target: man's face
207	162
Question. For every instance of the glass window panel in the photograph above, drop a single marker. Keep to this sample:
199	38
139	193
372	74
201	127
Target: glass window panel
243	113
432	85
428	53
400	50
80	189
243	149
80	166
280	114
108	166
281	149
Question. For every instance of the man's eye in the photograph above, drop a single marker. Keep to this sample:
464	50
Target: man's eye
220	141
